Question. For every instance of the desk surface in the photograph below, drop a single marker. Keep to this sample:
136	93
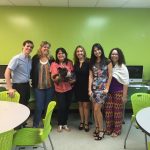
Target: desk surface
143	120
12	114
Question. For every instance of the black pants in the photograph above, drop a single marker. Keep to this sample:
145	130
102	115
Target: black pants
64	101
24	90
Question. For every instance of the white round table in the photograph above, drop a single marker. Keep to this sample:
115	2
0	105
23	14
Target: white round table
12	114
143	120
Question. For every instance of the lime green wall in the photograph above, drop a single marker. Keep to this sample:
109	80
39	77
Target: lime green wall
128	29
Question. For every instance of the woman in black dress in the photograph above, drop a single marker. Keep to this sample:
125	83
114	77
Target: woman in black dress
81	68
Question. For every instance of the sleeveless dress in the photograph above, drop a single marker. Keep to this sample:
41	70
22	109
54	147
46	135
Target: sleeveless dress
100	77
82	79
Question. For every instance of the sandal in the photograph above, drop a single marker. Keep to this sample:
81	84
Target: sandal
96	132
114	134
86	127
81	126
100	135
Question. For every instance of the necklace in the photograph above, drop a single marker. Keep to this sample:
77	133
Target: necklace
44	62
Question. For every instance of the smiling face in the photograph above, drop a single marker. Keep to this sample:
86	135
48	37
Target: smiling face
45	49
114	56
80	53
97	52
27	49
61	56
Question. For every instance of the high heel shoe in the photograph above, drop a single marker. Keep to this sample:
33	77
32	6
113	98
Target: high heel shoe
81	126
96	132
86	127
100	135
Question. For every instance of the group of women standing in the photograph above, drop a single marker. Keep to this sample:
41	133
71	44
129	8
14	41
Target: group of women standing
102	80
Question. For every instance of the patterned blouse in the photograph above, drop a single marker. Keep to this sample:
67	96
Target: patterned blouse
44	75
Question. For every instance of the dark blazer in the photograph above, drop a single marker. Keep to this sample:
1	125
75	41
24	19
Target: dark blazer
35	69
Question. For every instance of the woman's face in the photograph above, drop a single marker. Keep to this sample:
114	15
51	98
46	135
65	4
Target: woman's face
97	52
45	49
114	56
80	53
61	56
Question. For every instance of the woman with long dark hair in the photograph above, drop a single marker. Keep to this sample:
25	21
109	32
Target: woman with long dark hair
100	75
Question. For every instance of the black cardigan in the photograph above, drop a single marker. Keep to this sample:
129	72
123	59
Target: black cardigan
35	69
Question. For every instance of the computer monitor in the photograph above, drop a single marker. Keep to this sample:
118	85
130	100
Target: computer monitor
2	71
135	73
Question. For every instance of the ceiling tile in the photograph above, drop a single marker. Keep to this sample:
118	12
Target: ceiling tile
79	3
137	4
55	3
5	3
25	2
110	3
82	3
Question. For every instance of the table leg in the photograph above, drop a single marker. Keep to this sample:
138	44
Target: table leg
146	142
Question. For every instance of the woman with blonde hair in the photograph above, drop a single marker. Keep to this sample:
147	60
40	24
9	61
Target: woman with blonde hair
41	80
81	69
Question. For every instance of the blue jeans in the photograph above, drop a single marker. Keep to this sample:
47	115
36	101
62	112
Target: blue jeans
42	99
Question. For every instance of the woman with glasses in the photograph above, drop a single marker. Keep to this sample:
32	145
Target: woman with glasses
117	93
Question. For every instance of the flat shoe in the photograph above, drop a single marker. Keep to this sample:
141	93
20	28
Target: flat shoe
65	127
59	129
